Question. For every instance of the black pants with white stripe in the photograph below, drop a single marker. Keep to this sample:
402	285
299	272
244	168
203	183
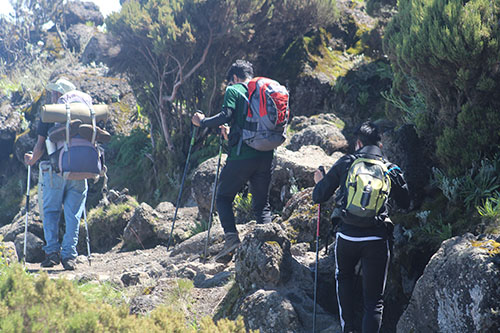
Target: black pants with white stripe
374	256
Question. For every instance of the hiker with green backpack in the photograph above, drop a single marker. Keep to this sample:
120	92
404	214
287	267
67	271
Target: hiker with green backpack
366	181
257	112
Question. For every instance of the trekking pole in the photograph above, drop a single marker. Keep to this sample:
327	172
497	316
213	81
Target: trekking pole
27	209
214	191
322	169
316	269
191	144
87	234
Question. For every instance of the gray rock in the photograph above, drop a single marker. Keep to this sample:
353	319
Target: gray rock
35	225
143	304
140	230
101	48
105	231
262	260
458	292
10	121
185	222
203	182
34	245
218	280
293	171
300	217
133	278
328	137
82	12
300	123
79	35
269	311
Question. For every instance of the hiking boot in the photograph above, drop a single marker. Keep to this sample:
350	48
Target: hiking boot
51	260
58	133
86	131
231	243
69	264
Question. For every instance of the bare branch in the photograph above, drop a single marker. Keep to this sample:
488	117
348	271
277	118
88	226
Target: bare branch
178	83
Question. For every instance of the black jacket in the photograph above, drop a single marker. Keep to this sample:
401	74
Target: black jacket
336	179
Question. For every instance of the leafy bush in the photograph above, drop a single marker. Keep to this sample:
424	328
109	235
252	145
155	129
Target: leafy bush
31	303
491	207
450	49
242	206
471	189
129	166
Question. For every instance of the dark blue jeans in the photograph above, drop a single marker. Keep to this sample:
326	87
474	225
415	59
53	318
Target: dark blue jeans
234	175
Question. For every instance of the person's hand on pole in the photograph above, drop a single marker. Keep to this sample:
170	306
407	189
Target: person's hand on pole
197	118
31	157
28	159
224	130
319	174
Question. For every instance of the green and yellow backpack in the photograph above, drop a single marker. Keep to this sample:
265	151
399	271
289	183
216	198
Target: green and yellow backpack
368	186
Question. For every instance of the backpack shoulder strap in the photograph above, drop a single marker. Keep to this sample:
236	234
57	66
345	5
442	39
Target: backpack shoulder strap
239	92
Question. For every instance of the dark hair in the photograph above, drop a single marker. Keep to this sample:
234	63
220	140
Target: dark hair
368	134
242	69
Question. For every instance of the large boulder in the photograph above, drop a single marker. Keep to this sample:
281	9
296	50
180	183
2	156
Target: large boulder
79	35
100	48
106	223
269	276
185	222
262	260
149	227
35	225
203	184
459	290
82	12
34	247
300	123
300	217
10	121
328	137
294	171
140	230
268	311
291	173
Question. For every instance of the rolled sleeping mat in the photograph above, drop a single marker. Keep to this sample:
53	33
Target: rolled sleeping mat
56	113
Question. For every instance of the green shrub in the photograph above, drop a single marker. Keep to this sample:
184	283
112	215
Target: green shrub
450	49
242	206
129	166
491	207
476	185
31	303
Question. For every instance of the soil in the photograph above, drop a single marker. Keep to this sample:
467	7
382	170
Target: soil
150	277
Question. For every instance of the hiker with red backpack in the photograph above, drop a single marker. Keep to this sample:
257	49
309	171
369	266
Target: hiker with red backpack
366	181
63	186
256	110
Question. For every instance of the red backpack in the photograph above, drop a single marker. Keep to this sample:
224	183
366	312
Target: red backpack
268	113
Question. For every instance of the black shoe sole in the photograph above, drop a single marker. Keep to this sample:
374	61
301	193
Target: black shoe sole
50	264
